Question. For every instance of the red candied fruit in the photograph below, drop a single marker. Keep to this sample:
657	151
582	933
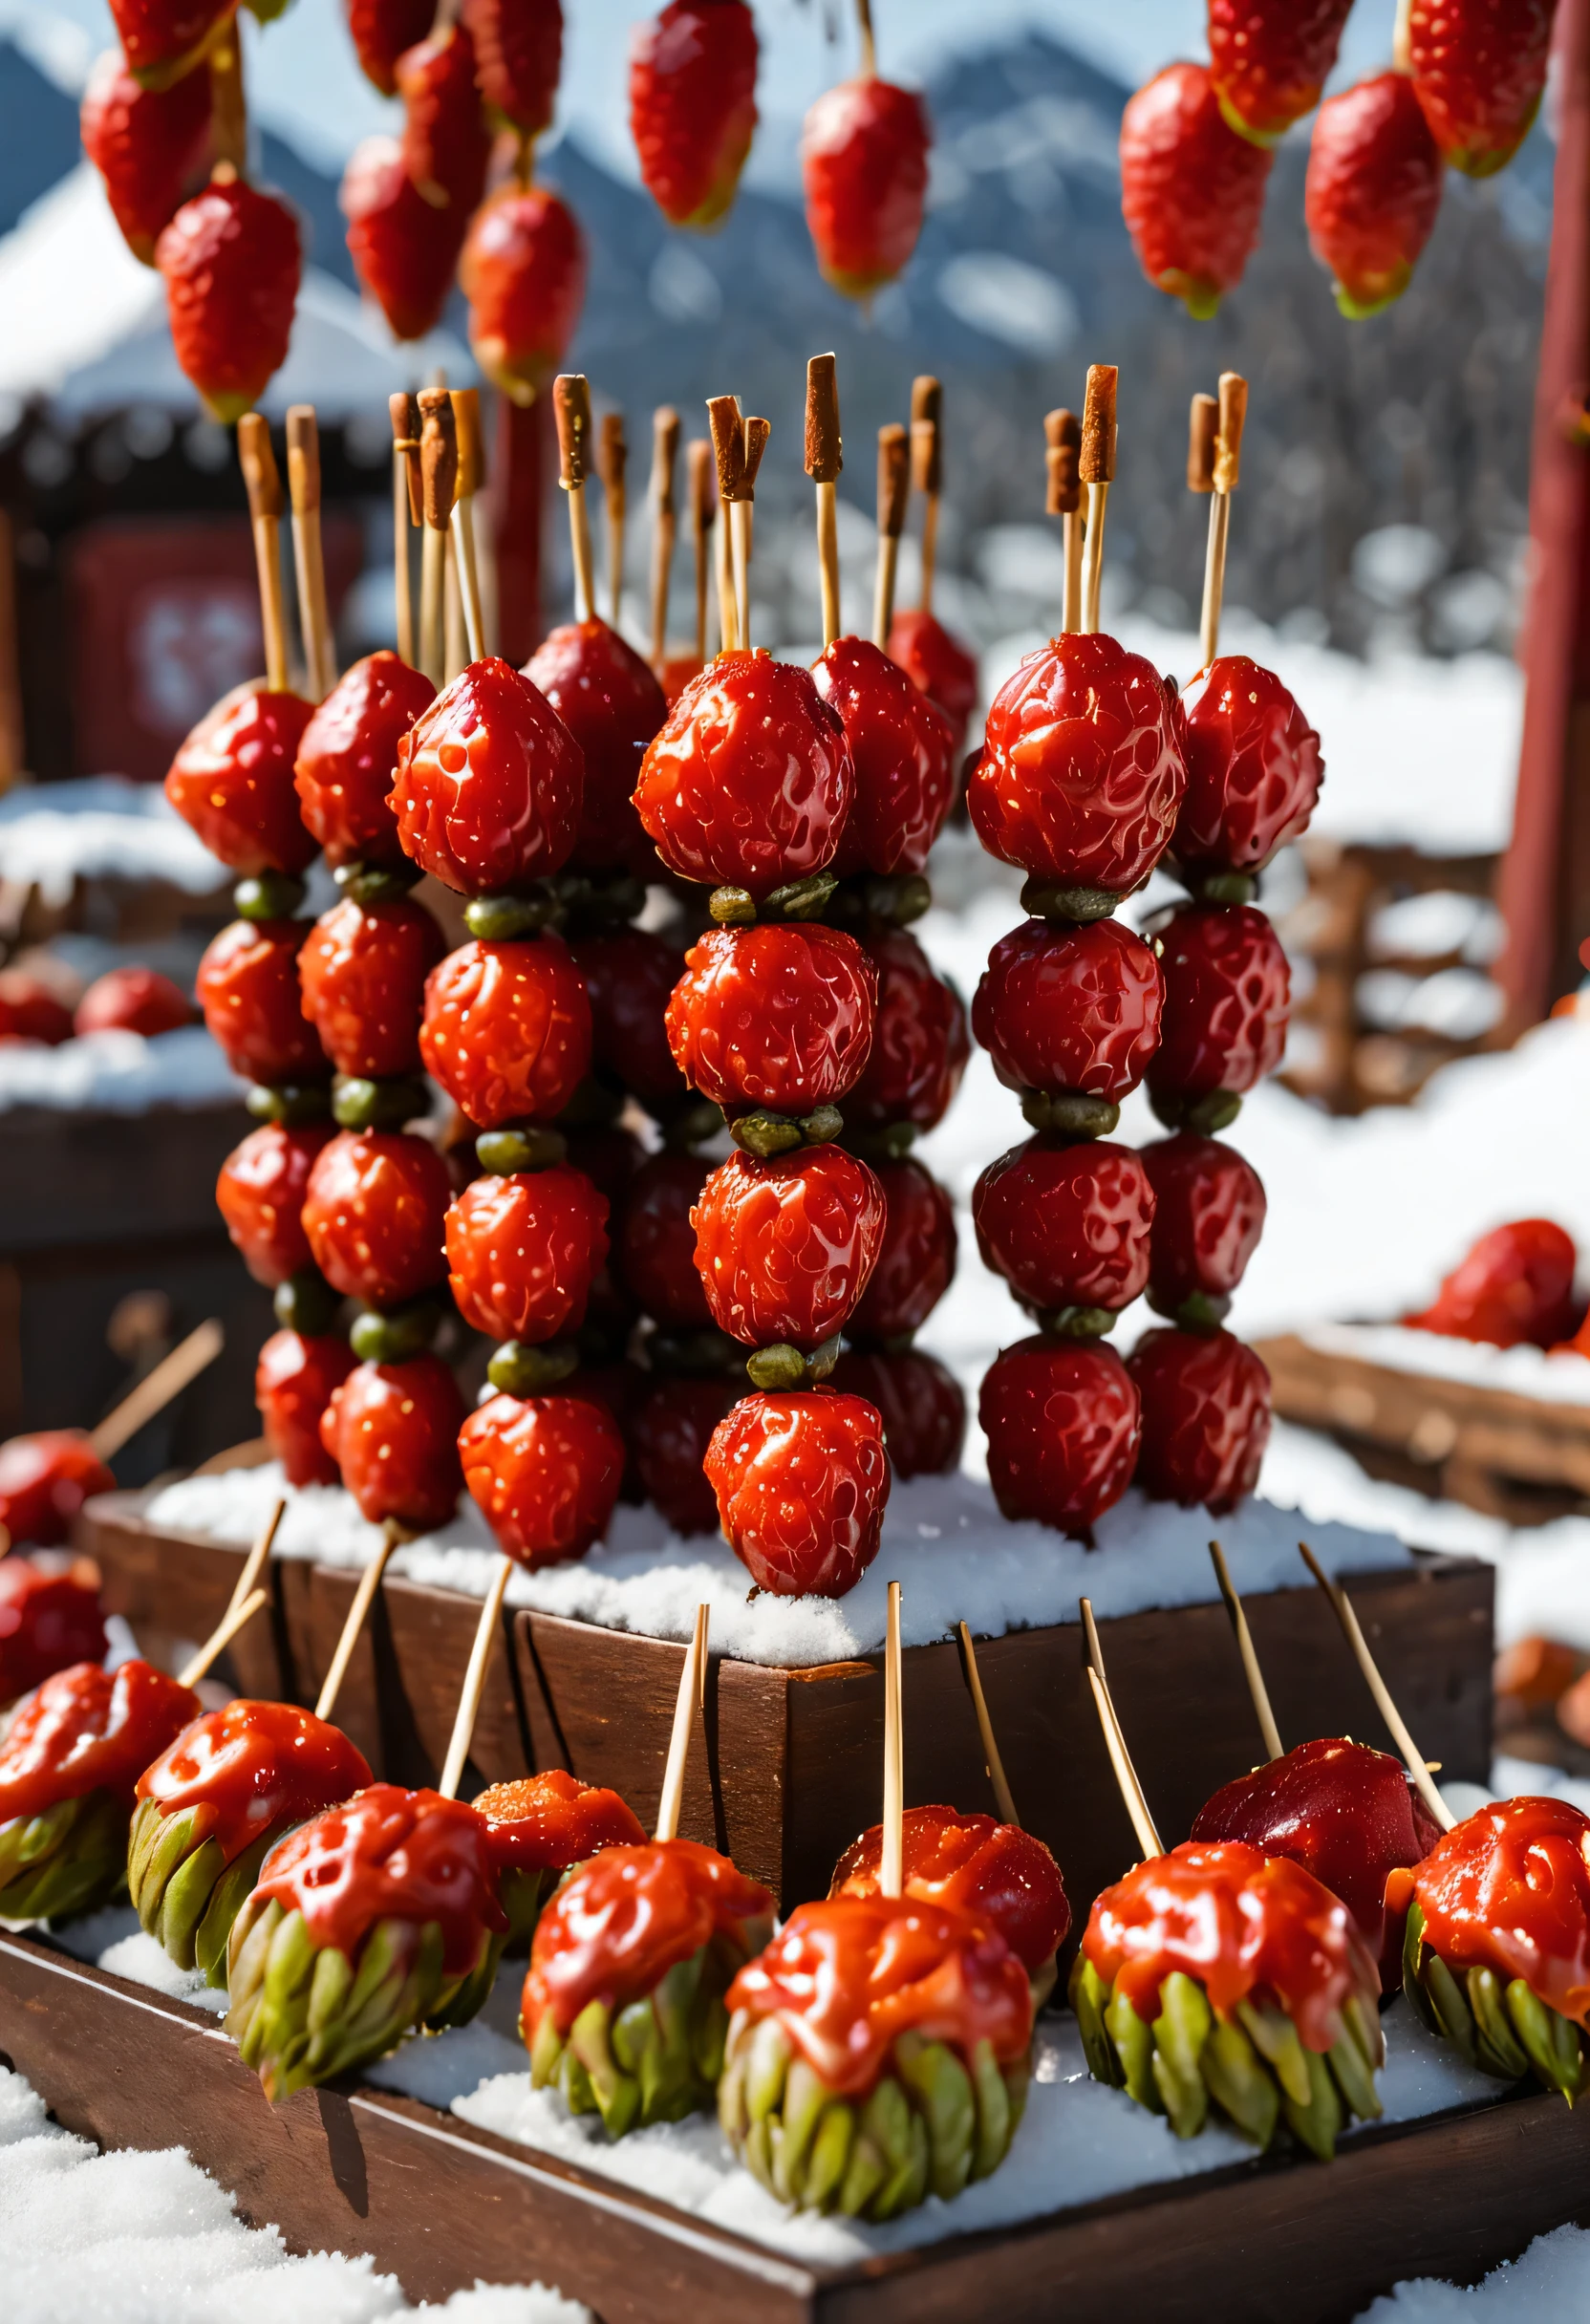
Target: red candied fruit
30	1011
1209	1215
1479	73
545	1471
1192	189
1063	1423
506	1030
446	143
374	1215
903	752
151	147
917	1259
259	1194
253	1004
518	59
655	1241
670	1432
864	166
1254	768
525	1250
802	1481
920	1040
1372	191
1070	1008
294	1381
1269	60
132	1000
163	40
777	1016
1206	1417
613	705
750	781
1080	774
940	666
523	272
1514	1288
919	1401
381	30
994	1871
693	106
348	755
49	1620
629	976
232	780
488	784
44	1481
784	1248
393	1431
363	971
1228	992
231	258
1066	1225
404	250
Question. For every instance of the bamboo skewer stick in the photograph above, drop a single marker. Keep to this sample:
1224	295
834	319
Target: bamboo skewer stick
1273	1748
155	1389
1003	1798
927	473
688	1704
703	512
229	104
474	1682
1225	465
258	463
613	455
869	45
757	433
466	432
309	556
253	1565
364	1597
1412	1757
455	642
665	454
1096	468
236	1618
572	406
824	460
893	492
891	1863
729	445
1115	1741
1062	498
406	510
439	459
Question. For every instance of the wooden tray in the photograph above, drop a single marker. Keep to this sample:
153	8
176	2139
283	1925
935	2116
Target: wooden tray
440	2204
788	1771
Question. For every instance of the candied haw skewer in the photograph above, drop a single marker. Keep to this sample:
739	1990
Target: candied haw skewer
1205	1398
524	1251
405	250
252	1003
523	272
1209	1214
346	756
773	1019
1067	1226
518	59
50	1618
488	784
165	40
802	1481
374	1214
1269	61
1227	997
693	112
1072	1014
920	1402
231	782
930	656
151	147
45	1478
545	1471
1064	1427
506	1030
785	1247
393	1431
1191	188
863	168
294	1380
259	1194
231	258
1372	191
613	706
446	143
920	1040
381	30
363	969
1479	69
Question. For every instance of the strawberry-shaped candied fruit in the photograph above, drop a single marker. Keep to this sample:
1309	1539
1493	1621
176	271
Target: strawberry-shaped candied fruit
523	272
669	1432
381	30
518	57
1254	770
150	146
248	990
802	1479
785	1247
940	666
1270	60
1063	1423
1516	1287
393	1431
538	1827
654	1241
45	1478
1479	69
231	782
374	1215
863	168
920	1402
903	752
1206	1417
693	110
545	1471
506	1030
488	784
445	141
1372	191
231	259
363	969
613	705
524	1249
994	1871
50	1618
132	1000
1071	1012
294	1380
1067	1225
259	1194
916	1257
920	1040
404	250
1209	1214
775	1016
346	756
1192	189
629	976
163	40
1228	993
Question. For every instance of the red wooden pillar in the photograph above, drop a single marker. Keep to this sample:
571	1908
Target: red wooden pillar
519	470
1544	889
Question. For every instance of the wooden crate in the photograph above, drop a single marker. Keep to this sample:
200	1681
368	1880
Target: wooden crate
440	2204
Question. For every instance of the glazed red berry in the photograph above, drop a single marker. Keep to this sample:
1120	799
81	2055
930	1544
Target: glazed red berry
903	751
488	784
1209	1215
628	979
545	1471
151	147
261	1192
44	1481
917	1259
381	30
248	990
1227	994
802	1481
1070	1008
30	1011
523	1251
48	1622
920	1040
374	1215
1254	768
693	108
1061	1421
1480	70
1081	775
921	1403
1066	1225
404	250
654	1243
523	272
672	1428
231	259
612	704
164	39
231	782
348	755
1270	60
294	1381
937	662
1192	189
363	969
750	781
1516	1287
779	1015
518	59
393	1429
132	1001
1206	1417
446	142
864	166
506	1030
784	1248
1372	191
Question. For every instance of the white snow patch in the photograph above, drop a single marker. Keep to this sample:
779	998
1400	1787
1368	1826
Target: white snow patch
1518	1371
118	1072
1552	2278
102	827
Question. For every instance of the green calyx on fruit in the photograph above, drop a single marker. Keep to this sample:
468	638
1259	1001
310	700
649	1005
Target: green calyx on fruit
1201	1311
69	1858
289	1103
501	919
520	1146
1077	1322
375	883
1069	1113
520	1369
306	1303
766	1134
1503	2030
1067	904
660	2058
1215	1110
377	1338
185	1895
361	1102
268	895
798	899
782	1365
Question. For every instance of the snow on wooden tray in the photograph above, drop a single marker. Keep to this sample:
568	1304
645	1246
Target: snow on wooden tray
1517	1371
